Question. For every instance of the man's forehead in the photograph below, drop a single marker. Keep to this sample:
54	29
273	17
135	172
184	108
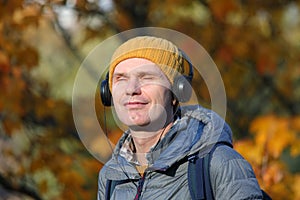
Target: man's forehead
136	65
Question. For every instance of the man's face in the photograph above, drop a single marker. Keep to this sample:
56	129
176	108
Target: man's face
141	94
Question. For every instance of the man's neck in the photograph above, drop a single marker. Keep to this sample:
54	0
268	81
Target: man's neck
144	141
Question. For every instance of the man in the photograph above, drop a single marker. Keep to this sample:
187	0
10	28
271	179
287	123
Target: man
150	160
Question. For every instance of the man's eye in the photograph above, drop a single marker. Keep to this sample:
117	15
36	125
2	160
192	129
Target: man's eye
120	78
148	77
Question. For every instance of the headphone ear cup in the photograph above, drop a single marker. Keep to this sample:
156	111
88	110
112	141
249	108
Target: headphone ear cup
182	88
105	93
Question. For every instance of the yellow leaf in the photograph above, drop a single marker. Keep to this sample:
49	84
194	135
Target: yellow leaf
273	132
281	137
255	156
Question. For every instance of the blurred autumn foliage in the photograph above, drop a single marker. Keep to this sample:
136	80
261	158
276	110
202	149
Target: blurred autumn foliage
255	44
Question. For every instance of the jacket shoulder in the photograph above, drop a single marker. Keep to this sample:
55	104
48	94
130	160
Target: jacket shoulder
232	177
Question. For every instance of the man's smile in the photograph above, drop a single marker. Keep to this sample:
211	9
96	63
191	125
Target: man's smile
135	104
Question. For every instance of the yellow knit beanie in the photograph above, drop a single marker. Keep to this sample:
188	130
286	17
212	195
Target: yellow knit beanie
162	52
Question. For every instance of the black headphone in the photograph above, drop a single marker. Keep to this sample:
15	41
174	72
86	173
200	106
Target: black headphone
105	93
181	87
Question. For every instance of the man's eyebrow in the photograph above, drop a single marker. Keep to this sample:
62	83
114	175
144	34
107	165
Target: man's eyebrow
118	74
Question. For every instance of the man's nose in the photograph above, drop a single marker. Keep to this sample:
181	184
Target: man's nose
133	87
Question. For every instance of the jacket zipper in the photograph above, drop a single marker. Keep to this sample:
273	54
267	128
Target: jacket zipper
140	187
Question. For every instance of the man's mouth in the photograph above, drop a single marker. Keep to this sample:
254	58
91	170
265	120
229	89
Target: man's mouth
135	104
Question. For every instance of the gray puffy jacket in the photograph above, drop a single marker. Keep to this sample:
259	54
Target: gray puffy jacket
231	175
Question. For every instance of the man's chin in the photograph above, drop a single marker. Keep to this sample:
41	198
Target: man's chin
147	127
138	126
143	131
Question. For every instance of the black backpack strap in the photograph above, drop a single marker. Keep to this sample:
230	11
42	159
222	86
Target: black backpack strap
207	185
195	177
199	175
108	189
110	186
